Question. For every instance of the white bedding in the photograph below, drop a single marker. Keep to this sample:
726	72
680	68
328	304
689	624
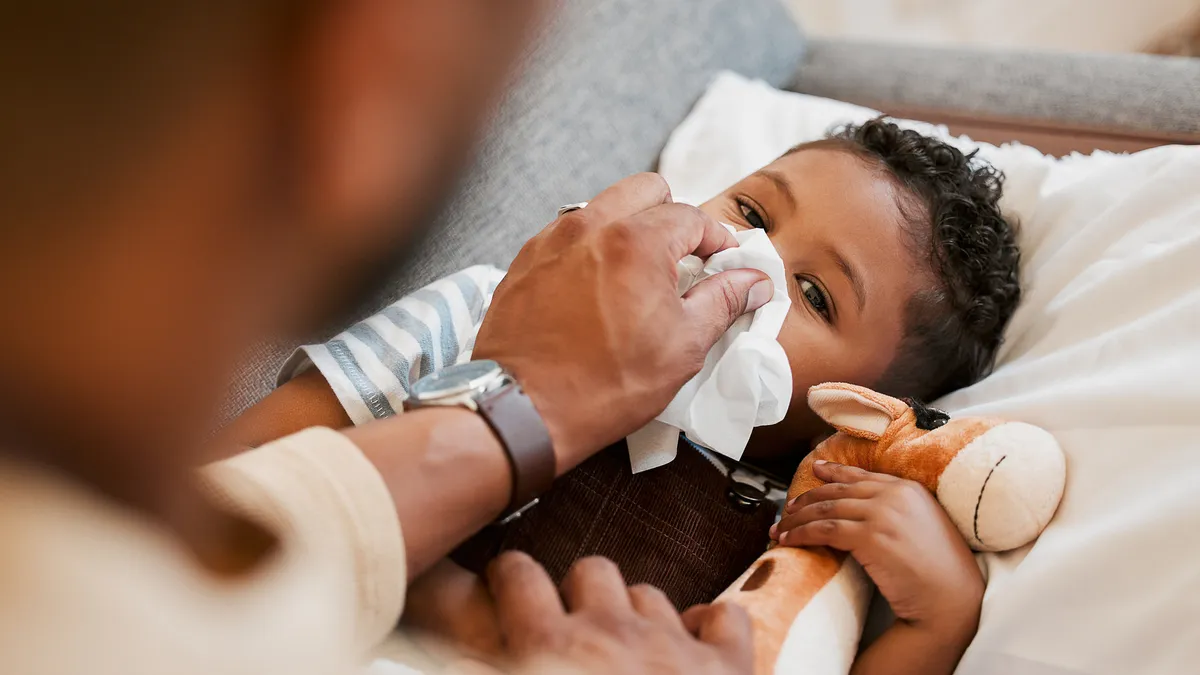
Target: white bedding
1104	352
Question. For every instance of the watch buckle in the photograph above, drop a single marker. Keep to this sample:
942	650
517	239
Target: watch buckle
518	513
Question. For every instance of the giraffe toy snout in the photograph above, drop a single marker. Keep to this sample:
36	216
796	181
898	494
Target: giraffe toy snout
1002	488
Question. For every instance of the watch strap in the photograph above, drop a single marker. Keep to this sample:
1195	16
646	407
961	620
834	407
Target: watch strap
512	416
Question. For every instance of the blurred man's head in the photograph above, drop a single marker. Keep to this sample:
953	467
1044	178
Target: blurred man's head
181	178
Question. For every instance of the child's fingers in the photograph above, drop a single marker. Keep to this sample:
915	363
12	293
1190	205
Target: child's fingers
838	509
844	535
840	473
832	491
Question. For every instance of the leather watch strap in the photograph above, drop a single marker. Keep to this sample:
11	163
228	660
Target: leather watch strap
517	423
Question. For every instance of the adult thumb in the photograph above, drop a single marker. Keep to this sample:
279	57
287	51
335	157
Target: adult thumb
711	306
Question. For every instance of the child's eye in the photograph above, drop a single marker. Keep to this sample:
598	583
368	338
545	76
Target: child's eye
815	297
752	216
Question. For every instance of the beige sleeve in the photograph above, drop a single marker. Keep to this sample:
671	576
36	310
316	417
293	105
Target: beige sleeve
322	497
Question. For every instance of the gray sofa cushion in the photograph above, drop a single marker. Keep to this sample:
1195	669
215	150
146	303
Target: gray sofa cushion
1121	91
601	93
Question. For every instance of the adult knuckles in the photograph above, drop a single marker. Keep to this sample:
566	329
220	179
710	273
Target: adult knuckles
571	223
644	588
679	212
594	651
636	229
691	223
592	566
512	565
648	593
620	242
626	628
543	637
653	184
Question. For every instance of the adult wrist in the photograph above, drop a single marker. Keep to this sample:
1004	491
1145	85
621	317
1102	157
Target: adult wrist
446	459
485	387
528	446
560	415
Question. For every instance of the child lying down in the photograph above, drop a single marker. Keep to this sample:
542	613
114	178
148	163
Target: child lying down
902	274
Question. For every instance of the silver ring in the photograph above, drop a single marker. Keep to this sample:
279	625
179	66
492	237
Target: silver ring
567	208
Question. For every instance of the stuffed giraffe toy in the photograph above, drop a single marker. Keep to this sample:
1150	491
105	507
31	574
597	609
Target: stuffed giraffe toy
1000	482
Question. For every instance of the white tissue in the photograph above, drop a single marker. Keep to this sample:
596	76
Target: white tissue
746	381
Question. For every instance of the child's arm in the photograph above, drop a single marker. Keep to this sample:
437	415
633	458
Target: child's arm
912	649
425	330
905	542
302	402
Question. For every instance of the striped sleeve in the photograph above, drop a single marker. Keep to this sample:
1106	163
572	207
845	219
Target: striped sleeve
371	365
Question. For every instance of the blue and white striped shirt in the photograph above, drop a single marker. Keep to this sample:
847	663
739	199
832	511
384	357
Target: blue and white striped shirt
371	365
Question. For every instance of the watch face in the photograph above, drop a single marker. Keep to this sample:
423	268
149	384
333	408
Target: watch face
455	380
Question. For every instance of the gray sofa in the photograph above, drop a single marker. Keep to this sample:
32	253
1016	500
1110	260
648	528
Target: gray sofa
610	79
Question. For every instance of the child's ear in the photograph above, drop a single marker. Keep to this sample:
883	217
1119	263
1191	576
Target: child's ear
857	411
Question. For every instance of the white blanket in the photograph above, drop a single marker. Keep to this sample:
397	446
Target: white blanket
1104	353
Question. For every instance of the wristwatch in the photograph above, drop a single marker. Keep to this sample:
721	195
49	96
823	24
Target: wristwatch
486	388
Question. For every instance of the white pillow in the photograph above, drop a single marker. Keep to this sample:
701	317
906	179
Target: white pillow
1104	352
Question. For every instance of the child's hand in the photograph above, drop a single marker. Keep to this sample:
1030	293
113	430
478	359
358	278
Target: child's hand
900	535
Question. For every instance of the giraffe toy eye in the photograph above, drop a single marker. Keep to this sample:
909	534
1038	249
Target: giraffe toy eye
939	419
928	417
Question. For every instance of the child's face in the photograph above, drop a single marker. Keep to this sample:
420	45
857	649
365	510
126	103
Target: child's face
837	224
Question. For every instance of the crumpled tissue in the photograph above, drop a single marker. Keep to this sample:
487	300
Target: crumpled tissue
746	381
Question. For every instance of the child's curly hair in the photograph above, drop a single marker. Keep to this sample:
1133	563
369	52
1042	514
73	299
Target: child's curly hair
954	328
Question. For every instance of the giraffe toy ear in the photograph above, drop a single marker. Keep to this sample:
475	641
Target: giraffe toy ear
854	410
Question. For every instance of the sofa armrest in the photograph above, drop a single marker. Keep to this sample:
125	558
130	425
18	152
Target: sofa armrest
1057	102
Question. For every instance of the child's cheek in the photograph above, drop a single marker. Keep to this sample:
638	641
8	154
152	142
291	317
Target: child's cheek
813	355
791	338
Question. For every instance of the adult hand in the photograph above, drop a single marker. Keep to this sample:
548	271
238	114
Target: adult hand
606	627
589	321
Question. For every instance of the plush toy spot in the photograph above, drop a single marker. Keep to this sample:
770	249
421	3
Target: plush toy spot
759	576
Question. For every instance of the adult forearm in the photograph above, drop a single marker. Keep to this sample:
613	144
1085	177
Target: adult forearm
447	473
445	469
